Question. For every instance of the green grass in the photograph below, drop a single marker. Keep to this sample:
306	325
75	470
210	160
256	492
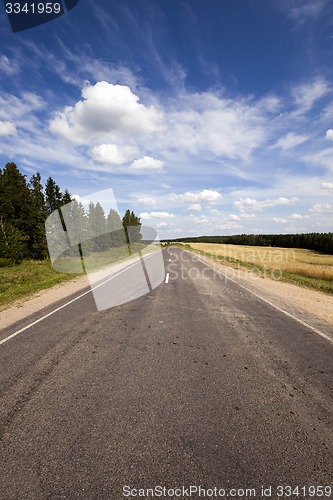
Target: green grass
29	276
21	280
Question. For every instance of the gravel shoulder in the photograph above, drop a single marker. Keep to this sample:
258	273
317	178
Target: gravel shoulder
313	302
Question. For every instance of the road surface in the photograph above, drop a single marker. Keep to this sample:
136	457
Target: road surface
199	382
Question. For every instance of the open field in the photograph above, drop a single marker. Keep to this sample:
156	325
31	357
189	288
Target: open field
298	266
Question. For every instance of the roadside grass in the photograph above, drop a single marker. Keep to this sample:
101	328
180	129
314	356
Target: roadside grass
21	280
302	267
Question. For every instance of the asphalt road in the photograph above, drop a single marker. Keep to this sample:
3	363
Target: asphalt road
198	382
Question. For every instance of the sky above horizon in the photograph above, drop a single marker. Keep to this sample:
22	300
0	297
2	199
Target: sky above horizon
204	116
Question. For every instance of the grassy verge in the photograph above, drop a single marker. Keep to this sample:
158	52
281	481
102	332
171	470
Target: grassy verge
21	280
29	276
297	266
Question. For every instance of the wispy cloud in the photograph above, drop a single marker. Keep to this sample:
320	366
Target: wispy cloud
307	94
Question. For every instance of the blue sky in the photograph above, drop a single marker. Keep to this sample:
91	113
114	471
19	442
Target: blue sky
203	116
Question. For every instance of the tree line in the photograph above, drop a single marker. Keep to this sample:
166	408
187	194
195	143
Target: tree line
320	242
25	206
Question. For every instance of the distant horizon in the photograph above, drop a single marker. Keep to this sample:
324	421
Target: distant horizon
197	115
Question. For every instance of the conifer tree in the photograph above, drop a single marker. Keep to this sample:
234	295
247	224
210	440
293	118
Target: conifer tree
116	229
38	245
53	195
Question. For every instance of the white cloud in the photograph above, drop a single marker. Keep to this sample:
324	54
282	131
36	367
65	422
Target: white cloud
199	220
253	204
207	123
289	141
323	158
306	95
147	164
105	111
329	134
8	67
7	128
147	201
298	217
280	220
156	215
306	10
322	208
240	216
14	108
113	154
327	185
204	196
165	186
195	207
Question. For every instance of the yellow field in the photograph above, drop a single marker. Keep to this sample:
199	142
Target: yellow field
305	267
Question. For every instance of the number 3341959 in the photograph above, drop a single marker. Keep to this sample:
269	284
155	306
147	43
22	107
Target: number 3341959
33	8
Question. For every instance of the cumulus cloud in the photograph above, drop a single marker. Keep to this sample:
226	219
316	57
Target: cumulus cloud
280	220
7	128
253	204
234	217
322	208
204	196
327	185
147	164
329	134
113	154
290	141
105	110
146	201
298	217
203	219
156	215
195	207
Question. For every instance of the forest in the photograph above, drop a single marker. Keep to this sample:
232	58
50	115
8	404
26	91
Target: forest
320	242
25	206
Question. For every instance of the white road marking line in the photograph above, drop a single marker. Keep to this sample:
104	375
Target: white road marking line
322	334
67	304
167	278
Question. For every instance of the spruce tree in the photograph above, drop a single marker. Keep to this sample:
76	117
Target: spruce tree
116	229
53	195
38	245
